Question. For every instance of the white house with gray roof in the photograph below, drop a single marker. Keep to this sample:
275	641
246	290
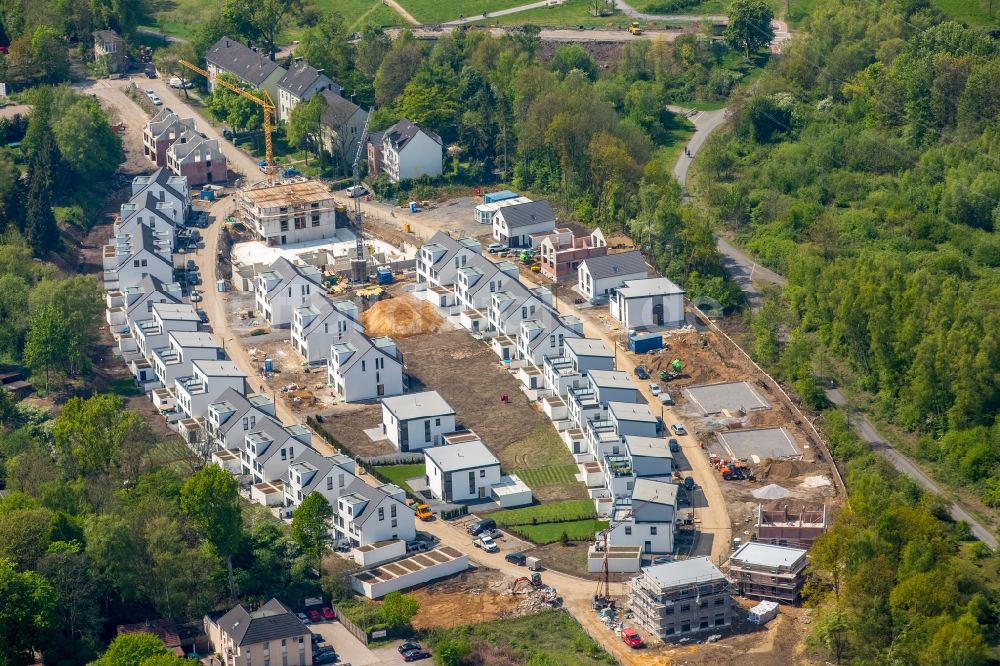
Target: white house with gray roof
365	514
363	368
129	257
299	84
645	517
312	472
597	277
163	217
649	302
174	360
545	334
440	259
137	301
320	323
580	357
208	380
164	186
268	450
461	472
150	331
414	421
283	287
247	64
410	152
272	634
514	225
233	415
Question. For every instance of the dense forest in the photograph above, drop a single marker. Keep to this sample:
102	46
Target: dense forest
865	166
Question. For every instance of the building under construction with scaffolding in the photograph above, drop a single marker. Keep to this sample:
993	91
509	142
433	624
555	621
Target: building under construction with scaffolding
680	598
292	212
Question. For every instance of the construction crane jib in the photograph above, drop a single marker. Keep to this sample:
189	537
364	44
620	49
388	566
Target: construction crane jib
360	246
264	100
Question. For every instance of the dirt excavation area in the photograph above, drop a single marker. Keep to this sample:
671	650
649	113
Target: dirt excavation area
472	597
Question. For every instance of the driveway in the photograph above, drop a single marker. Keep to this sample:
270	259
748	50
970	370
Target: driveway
349	649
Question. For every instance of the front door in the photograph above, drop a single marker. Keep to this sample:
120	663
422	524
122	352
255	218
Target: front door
482	492
658	314
380	389
647	547
284	240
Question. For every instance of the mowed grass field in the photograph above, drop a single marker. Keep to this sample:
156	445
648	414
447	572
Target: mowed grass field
398	474
546	513
550	475
972	12
579	530
543	462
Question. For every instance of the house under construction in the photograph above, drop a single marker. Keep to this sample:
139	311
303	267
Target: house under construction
781	527
291	212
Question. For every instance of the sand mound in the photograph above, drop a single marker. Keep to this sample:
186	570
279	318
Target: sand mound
783	470
771	492
401	317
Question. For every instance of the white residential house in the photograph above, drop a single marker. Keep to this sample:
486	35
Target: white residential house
597	277
414	421
461	472
165	216
650	302
365	515
283	287
363	368
408	151
632	418
268	450
590	401
299	84
165	187
312	472
483	213
508	308
247	64
137	300
183	347
514	225
319	323
208	380
642	458
474	289
440	258
150	331
646	518
233	415
129	258
570	369
545	334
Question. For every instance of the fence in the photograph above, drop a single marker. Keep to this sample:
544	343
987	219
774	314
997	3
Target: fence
330	439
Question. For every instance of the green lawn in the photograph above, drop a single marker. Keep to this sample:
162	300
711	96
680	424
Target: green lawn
441	11
124	386
546	513
549	475
398	474
173	453
579	530
972	12
701	106
550	637
572	13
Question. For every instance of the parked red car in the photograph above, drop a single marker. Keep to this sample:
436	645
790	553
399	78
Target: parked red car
314	616
327	612
632	639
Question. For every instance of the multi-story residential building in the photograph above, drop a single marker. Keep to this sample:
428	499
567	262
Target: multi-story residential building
590	401
268	450
562	252
649	302
137	301
461	472
545	334
508	308
597	277
233	415
365	514
646	517
208	380
483	213
282	288
342	126
246	64
514	225
162	130
414	421
408	151
299	84
363	368
438	263
163	217
110	51
312	472
782	527
679	598
474	289
764	571
150	331
641	458
580	357
270	635
166	187
128	258
319	323
197	158
290	212
174	359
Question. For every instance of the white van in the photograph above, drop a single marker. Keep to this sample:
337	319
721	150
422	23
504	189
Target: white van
356	191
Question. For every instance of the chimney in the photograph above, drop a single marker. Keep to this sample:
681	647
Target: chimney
354	98
227	43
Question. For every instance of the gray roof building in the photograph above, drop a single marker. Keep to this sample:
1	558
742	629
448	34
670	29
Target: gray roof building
681	572
456	457
527	214
300	78
272	621
241	61
426	404
624	263
399	134
339	109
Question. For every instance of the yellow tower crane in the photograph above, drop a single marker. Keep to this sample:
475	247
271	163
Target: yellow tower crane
264	100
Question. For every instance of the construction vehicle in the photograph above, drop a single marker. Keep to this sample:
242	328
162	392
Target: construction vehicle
534	581
632	639
359	264
634	28
424	512
737	471
264	101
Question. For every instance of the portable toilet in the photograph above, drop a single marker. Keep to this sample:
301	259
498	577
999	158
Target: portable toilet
268	365
383	275
413	206
533	564
222	286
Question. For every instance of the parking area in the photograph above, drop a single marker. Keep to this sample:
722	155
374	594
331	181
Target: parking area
349	649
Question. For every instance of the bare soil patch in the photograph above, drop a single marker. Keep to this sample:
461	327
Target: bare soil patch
472	597
400	317
347	422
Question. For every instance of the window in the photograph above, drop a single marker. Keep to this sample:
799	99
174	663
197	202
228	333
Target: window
552	341
381	513
719	621
393	522
482	474
284	225
329	483
342	481
685	608
437	422
427	430
652	530
392	511
472	482
315	220
628	531
362	366
283	454
300	222
720	601
135	264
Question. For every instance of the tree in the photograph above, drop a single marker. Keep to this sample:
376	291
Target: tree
371	50
311	525
40	221
397	68
132	650
958	643
27	613
91	436
749	26
24	536
49	56
237	111
261	21
398	609
211	498
46	342
573	56
68	570
305	124
325	46
78	300
85	140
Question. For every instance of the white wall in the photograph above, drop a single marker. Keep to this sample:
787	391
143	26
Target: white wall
661	542
637	312
420	156
279	305
483	478
414	431
377	590
364	384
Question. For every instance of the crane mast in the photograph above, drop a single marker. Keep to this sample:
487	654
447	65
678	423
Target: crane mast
359	265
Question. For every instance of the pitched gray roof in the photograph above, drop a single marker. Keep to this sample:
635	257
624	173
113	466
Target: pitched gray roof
152	287
272	621
188	141
624	263
338	109
300	77
527	214
403	131
374	496
161	178
241	61
656	492
362	343
289	271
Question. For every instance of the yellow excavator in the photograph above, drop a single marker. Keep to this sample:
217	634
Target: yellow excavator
634	28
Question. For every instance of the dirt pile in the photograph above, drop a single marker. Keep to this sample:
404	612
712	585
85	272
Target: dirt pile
401	317
783	470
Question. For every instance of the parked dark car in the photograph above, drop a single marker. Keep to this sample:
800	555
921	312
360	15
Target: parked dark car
641	372
516	558
481	526
674	446
416	655
314	616
407	646
317	639
325	657
191	266
660	425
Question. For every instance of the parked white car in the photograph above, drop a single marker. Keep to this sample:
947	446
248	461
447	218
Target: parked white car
488	544
654	388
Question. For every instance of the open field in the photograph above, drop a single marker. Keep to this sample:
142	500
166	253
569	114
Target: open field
549	637
476	595
970	11
572	13
577	530
550	475
546	513
441	11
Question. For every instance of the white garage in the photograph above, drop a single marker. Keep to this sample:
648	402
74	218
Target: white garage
652	302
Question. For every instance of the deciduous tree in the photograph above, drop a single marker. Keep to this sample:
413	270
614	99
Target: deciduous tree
311	525
211	499
749	26
27	613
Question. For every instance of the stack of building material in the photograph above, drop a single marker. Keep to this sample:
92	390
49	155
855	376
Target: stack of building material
763	612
